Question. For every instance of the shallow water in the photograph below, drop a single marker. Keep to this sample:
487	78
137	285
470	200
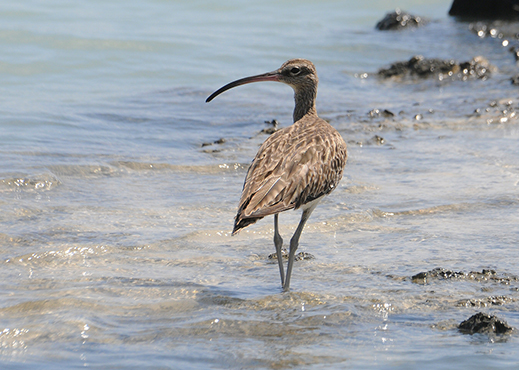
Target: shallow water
115	221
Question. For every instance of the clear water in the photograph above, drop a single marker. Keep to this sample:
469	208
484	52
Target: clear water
115	244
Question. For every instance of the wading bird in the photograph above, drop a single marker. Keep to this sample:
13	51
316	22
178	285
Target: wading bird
296	166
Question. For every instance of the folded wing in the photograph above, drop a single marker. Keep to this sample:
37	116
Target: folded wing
294	166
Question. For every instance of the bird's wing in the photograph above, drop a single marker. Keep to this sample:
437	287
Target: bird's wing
293	166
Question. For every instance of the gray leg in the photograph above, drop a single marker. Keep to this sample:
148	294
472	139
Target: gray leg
294	243
278	242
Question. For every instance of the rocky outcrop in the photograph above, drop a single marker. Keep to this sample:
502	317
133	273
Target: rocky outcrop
398	20
485	9
420	67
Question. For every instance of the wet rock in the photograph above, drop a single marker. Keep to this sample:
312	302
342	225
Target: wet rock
270	130
378	140
485	324
498	112
219	141
375	140
298	257
274	123
444	274
304	256
420	67
437	273
380	113
485	302
398	20
485	9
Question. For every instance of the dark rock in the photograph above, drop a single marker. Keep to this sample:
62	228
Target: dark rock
398	20
380	113
485	9
444	274
438	273
441	273
374	113
387	113
485	302
420	67
515	80
485	324
219	141
379	140
270	130
274	123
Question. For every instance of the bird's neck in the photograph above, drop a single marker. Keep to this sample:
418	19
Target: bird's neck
305	104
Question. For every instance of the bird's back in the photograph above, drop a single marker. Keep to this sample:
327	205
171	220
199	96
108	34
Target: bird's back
294	166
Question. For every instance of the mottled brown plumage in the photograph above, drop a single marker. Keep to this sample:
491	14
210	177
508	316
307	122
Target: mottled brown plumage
296	166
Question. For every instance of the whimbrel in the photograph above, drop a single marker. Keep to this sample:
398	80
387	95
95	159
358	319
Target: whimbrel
296	166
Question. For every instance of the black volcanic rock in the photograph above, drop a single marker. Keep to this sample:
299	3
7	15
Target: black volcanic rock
485	9
398	20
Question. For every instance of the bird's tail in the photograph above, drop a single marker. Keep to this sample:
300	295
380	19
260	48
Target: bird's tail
241	223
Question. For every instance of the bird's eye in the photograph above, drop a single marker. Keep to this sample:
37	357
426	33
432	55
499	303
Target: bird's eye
295	71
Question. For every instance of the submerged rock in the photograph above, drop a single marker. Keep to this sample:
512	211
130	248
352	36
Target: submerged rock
40	182
218	142
485	9
484	324
398	20
420	67
497	112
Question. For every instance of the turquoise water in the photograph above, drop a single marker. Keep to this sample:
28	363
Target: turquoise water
115	244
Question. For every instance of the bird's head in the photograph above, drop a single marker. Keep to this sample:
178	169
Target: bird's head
300	74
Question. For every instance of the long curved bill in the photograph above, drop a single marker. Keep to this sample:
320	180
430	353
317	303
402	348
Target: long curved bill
269	76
